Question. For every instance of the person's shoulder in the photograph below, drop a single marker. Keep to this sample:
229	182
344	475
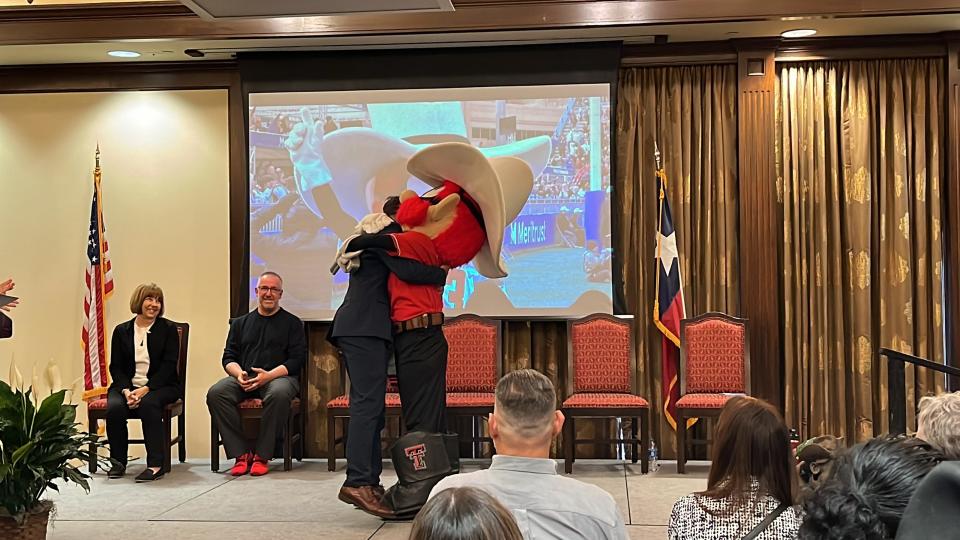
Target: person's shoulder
586	492
125	325
290	317
457	480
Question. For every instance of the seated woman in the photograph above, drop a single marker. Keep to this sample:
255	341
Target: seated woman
464	513
868	490
752	478
143	366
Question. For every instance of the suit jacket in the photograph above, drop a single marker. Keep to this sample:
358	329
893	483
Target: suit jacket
365	311
6	326
163	345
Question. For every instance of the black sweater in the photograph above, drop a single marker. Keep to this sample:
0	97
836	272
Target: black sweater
266	342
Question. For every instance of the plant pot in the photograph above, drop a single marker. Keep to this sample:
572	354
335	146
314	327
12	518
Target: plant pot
34	525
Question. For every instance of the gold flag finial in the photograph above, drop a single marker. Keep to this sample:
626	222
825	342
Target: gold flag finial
656	153
97	154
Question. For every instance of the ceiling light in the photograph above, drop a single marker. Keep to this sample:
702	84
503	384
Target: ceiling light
124	54
799	33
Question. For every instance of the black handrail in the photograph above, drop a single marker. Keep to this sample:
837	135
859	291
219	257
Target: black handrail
897	384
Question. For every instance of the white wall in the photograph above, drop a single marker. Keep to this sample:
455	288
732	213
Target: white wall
165	200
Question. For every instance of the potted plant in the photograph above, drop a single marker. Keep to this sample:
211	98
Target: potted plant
39	443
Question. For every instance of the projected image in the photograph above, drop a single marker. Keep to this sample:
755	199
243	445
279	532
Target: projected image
321	161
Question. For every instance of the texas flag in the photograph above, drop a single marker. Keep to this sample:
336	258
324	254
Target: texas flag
668	310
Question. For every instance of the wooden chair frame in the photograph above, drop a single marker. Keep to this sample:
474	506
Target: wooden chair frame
684	413
639	416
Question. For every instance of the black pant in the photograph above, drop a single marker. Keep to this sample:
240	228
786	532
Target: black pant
366	359
222	400
150	413
422	376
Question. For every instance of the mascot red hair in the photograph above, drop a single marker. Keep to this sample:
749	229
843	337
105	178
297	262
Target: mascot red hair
462	219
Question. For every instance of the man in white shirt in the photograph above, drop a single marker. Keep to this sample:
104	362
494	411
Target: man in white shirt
524	478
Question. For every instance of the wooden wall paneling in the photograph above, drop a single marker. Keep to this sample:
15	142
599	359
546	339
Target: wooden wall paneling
760	226
951	214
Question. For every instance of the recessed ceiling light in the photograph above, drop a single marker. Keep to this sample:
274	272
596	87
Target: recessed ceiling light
124	54
801	32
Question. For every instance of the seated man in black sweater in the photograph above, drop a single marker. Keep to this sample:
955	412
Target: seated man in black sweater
265	352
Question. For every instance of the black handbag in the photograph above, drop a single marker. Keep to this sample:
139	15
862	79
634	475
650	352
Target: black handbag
421	460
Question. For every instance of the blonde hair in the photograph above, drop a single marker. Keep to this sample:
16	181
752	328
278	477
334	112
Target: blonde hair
938	423
141	293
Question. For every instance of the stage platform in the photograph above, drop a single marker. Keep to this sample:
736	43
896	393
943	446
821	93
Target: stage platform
194	503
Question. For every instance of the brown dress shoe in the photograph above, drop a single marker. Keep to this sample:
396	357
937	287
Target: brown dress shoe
366	499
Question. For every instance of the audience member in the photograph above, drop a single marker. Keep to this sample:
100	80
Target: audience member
752	478
868	490
524	478
464	514
264	354
143	366
938	423
932	512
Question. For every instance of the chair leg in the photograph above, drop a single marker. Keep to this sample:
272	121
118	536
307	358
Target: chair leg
167	436
681	443
331	442
569	432
288	445
636	440
214	446
182	433
92	463
644	442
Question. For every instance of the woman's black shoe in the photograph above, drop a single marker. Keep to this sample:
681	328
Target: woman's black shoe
149	476
117	471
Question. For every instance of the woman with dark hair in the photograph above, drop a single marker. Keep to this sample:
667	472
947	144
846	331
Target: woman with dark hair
752	482
143	366
868	491
464	513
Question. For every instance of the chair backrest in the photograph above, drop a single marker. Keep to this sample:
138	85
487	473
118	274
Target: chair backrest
474	353
183	332
600	355
714	354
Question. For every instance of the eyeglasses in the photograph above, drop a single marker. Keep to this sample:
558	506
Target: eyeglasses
274	290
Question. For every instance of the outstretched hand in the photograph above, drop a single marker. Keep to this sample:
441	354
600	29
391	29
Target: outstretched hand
6	285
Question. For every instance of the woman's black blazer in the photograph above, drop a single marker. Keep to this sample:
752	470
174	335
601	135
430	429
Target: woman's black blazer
163	345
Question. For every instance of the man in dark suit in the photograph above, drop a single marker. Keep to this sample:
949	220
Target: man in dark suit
362	331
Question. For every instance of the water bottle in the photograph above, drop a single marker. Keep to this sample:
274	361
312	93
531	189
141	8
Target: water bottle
653	457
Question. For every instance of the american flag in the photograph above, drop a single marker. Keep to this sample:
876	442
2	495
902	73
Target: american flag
99	285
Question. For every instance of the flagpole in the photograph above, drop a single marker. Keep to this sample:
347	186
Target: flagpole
663	180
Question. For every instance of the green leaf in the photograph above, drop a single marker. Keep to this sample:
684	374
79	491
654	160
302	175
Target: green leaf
19	453
49	411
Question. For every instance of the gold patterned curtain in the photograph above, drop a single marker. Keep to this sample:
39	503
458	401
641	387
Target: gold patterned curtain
859	157
690	112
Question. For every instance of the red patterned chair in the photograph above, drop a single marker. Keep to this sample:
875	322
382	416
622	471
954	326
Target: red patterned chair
473	368
338	408
602	378
251	411
97	410
714	366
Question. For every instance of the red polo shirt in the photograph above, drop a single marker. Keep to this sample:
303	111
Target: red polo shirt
407	300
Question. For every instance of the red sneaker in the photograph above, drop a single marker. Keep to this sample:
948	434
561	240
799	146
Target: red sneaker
260	466
242	466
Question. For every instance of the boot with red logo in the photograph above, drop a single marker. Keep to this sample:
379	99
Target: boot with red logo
421	460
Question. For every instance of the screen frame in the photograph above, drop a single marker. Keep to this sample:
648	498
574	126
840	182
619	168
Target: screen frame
534	65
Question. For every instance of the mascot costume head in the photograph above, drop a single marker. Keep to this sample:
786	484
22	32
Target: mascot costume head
473	200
